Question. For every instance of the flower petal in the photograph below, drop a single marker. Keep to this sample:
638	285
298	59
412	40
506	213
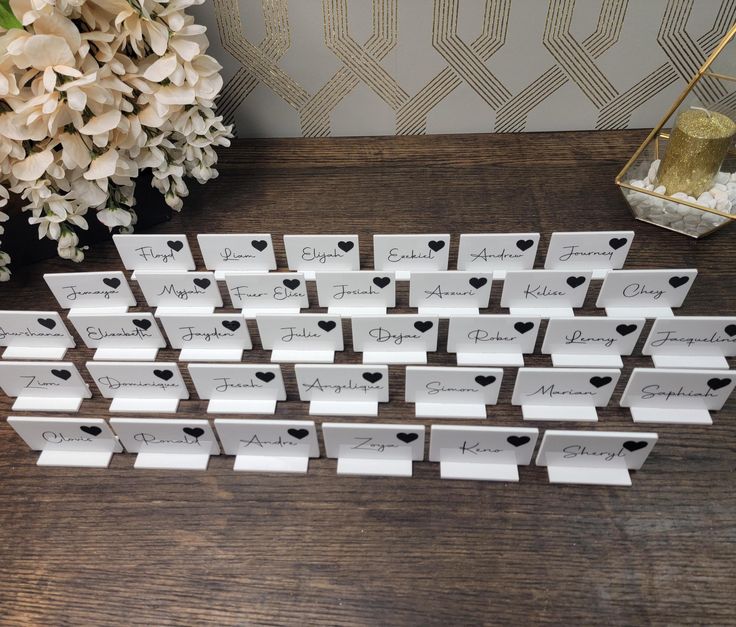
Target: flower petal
102	123
34	166
161	69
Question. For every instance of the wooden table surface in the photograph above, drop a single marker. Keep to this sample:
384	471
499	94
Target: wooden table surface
120	546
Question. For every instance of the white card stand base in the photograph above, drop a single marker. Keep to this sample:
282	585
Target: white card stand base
144	405
450	410
133	276
172	461
240	406
270	463
543	312
288	356
373	467
499	275
599	274
397	357
402	275
479	472
45	403
221	274
715	362
589	476
355	312
126	354
182	311
210	354
343	408
672	416
97	310
574	413
490	359
75	459
45	353
639	312
251	313
572	360
448	312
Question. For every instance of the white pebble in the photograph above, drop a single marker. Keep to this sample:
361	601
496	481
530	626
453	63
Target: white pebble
706	198
719	186
661	189
722	177
652	175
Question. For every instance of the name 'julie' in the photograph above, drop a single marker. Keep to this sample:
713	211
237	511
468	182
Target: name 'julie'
293	334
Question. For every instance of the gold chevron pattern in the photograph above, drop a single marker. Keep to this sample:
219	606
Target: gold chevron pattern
344	67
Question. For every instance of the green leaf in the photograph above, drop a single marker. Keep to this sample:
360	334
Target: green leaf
7	19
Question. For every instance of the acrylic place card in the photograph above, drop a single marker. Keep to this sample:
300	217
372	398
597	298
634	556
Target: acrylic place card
441	392
545	293
492	340
268	445
98	291
404	254
563	393
591	341
374	449
301	338
450	293
167	444
481	453
238	388
43	385
180	292
139	386
360	293
395	339
275	292
74	442
678	396
208	337
594	457
691	342
34	335
311	254
119	337
342	390
497	252
599	251
644	293
236	252
161	253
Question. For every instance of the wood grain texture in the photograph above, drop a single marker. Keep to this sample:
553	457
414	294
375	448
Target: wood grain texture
121	546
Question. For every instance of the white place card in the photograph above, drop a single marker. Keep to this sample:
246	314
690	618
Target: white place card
591	341
440	392
139	386
84	442
34	335
275	292
481	453
644	293
364	292
678	396
163	253
170	443
342	390
104	291
119	337
395	339
691	342
563	393
43	385
492	340
316	253
374	449
268	445
307	338
239	388
594	457
545	293
180	292
208	337
404	254
599	251
449	293
240	252
497	252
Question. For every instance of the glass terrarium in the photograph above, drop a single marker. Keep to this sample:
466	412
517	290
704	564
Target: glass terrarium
683	177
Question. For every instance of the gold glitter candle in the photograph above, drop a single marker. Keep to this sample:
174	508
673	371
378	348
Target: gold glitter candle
696	149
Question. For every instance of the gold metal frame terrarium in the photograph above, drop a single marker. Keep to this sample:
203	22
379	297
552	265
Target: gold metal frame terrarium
713	88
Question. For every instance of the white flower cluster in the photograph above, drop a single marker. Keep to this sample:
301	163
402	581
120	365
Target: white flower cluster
91	93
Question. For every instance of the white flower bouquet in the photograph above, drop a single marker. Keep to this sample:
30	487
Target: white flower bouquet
92	92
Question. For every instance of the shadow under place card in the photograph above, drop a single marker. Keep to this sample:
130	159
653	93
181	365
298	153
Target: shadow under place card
497	252
274	292
678	396
395	339
119	337
545	293
208	337
43	385
236	252
91	290
599	251
309	338
268	445
180	292
34	335
594	457
563	393
364	292
404	254
440	392
374	449
481	453
449	293
75	442
644	293
170	253
691	342
314	253
139	386
168	444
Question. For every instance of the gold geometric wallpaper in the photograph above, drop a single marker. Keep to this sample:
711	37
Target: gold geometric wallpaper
383	67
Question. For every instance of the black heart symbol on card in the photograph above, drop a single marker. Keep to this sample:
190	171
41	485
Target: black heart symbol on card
423	325
677	281
175	245
259	244
717	384
436	246
163	374
142	323
61	374
265	376
195	432
381	281
113	283
345	246
50	323
599	382
372	377
625	329
523	327
518	440
524	244
231	325
730	330
617	242
478	282
575	281
203	283
407	437
95	431
484	380
299	434
327	325
292	284
632	446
